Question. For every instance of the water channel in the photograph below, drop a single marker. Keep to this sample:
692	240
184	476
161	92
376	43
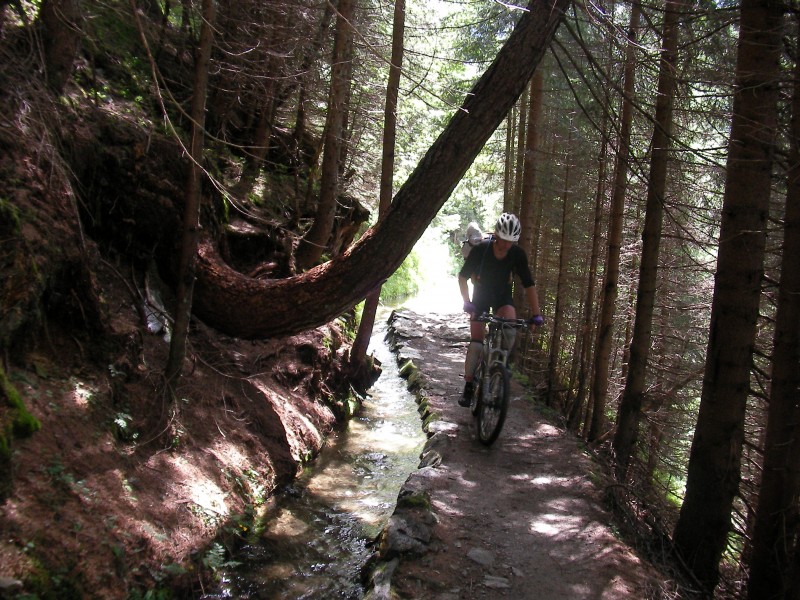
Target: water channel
317	537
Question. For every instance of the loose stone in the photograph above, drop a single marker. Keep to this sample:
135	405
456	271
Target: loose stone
480	556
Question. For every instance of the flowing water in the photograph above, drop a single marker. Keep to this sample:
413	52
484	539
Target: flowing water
317	536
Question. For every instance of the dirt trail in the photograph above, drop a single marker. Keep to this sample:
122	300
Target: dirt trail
521	519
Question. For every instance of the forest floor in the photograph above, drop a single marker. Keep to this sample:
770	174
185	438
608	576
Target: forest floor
524	518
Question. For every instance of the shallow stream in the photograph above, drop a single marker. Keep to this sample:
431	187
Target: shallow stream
317	536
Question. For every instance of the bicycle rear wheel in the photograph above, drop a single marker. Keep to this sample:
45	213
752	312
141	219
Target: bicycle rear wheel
493	406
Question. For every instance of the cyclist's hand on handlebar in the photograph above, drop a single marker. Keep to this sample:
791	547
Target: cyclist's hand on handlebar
469	307
536	320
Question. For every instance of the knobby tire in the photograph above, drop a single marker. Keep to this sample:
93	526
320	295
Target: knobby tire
493	409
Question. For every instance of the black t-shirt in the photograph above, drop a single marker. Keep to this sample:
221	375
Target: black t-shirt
493	277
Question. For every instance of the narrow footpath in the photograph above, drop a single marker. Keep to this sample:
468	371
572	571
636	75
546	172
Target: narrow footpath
522	519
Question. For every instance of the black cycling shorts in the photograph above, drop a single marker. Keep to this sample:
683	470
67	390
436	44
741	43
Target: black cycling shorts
486	299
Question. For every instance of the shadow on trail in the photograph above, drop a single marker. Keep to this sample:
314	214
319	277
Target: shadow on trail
519	519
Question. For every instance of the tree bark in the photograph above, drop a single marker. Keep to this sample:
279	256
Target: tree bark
61	38
358	351
316	239
515	205
528	238
714	471
248	308
553	379
630	407
191	215
775	532
259	149
611	276
508	172
584	372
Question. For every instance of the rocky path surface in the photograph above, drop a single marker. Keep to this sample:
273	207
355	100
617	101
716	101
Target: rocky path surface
521	519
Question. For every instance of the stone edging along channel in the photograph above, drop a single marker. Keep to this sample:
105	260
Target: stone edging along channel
410	527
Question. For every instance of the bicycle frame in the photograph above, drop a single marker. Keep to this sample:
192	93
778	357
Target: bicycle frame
493	351
492	376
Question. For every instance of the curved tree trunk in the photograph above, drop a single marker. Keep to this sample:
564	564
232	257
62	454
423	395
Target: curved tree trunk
245	307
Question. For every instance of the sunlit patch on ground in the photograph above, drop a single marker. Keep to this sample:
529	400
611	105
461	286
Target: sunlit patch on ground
81	394
544	528
206	496
553	524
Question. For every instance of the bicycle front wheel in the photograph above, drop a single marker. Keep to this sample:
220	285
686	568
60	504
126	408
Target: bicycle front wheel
478	391
493	405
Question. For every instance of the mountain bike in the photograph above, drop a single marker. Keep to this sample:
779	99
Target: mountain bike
492	378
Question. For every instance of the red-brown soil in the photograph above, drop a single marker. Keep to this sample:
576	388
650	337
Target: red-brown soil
123	490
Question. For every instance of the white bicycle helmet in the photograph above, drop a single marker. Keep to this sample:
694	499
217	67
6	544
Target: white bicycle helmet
508	227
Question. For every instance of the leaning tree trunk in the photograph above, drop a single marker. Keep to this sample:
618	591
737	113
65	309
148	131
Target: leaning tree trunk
714	472
605	332
631	405
246	307
316	239
775	532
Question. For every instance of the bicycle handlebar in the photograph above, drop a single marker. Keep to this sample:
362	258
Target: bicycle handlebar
487	318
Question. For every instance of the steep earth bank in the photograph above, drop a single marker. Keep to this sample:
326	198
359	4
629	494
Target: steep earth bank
125	491
107	505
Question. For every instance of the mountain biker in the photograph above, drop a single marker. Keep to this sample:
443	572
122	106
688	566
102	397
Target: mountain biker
492	265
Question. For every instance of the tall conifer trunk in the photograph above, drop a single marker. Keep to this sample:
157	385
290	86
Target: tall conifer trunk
527	210
191	215
315	242
515	206
777	531
714	472
630	407
611	276
553	377
361	343
584	371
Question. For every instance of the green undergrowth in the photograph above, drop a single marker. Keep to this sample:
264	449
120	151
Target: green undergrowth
15	422
404	282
